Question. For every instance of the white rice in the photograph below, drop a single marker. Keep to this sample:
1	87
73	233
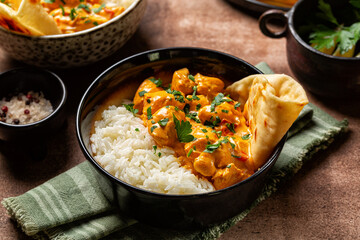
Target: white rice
129	155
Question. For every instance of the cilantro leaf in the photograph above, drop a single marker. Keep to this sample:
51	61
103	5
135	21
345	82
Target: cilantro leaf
323	37
326	12
218	100
130	108
231	127
246	137
183	130
84	6
97	10
163	122
149	114
355	3
191	77
157	82
142	93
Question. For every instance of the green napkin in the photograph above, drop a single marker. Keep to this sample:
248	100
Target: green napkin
71	206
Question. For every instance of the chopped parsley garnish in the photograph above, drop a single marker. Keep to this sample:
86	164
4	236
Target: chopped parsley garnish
167	106
210	148
193	116
198	107
157	82
176	109
47	1
148	100
218	100
204	130
73	14
218	133
191	77
178	95
130	108
152	121
153	127
155	148
63	2
194	97
87	21
211	123
84	6
95	23
159	154
190	152
163	122
183	130
246	137
228	166
225	111
231	127
149	114
136	129
235	156
97	10
237	105
62	10
142	93
186	109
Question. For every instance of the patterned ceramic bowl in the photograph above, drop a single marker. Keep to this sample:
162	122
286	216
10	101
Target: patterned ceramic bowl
74	49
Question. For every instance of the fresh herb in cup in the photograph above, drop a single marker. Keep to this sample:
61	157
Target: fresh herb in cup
333	36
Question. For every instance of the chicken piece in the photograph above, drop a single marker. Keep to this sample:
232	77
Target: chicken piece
225	112
196	103
204	164
149	87
181	81
228	176
162	127
203	136
208	86
157	100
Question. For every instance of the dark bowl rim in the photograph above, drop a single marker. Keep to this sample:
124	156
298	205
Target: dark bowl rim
127	11
51	115
297	37
273	157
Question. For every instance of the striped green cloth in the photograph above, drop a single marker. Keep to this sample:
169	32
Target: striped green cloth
71	206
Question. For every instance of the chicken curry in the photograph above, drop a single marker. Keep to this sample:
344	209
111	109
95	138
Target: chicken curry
204	126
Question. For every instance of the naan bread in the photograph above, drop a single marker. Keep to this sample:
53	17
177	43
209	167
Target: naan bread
27	17
271	104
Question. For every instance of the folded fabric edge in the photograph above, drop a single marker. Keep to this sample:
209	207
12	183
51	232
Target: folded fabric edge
20	216
276	179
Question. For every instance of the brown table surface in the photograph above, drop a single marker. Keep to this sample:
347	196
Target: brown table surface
320	202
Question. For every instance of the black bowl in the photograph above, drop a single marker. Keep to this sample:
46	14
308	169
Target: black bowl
22	80
174	211
323	74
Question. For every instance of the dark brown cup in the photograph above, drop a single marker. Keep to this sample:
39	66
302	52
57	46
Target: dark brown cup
320	73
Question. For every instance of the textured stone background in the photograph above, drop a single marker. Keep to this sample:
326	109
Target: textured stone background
320	202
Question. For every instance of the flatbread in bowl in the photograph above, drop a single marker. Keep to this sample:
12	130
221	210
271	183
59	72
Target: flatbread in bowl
271	104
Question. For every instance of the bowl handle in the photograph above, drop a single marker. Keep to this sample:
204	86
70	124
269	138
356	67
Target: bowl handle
273	14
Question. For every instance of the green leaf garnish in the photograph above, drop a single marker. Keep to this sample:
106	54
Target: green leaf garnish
130	108
235	156
84	6
183	130
73	14
148	112
97	10
136	129
198	107
246	137
231	127
153	127
191	77
163	122
218	100
237	105
157	82
142	93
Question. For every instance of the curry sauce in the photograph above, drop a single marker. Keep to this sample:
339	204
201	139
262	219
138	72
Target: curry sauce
205	127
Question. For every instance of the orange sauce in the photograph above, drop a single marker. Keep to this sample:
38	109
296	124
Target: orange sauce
206	129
